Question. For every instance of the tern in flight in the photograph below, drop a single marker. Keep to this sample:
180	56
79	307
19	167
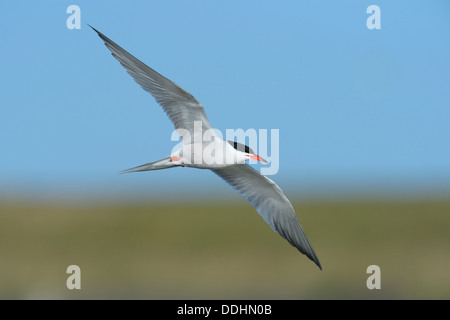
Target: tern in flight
227	158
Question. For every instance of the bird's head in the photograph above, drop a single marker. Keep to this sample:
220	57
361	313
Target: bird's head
246	152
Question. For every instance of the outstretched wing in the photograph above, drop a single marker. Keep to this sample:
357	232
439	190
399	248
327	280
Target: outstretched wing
271	204
181	107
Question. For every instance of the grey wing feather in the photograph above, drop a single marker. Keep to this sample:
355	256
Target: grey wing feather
271	204
181	107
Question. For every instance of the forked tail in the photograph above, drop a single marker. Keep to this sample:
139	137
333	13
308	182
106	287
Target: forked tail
157	165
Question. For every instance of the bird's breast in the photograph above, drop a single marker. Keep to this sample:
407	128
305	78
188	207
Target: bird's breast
208	155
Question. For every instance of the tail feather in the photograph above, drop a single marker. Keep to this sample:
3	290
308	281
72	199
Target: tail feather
156	165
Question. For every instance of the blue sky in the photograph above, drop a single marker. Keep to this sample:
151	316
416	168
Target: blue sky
357	109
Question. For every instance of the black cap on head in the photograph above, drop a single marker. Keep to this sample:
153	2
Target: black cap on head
241	147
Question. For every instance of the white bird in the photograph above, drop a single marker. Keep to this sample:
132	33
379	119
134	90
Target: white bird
228	158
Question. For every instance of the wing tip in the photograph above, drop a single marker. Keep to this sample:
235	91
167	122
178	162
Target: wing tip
312	255
316	261
101	35
93	28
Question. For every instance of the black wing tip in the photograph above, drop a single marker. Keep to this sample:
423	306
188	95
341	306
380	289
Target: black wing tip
318	264
93	28
101	35
310	254
313	258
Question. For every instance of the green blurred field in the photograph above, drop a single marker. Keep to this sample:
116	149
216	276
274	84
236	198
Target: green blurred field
223	251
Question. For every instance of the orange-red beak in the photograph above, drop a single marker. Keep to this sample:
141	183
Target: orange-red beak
256	157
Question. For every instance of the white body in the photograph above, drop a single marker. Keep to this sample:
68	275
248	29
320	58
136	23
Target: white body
208	155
